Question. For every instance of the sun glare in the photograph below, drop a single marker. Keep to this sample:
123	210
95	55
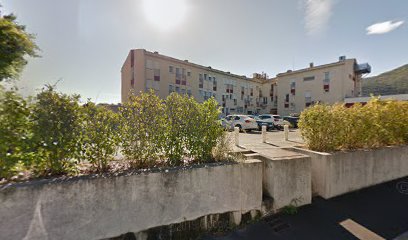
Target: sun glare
165	14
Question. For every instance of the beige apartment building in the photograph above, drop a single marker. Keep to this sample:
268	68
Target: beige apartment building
238	94
328	83
145	70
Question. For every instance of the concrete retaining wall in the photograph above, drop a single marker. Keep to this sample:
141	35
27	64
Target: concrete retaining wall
98	208
288	181
286	176
342	172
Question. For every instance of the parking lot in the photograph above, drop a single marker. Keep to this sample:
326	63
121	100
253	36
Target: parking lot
274	138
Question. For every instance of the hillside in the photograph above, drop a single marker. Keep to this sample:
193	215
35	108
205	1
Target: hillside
392	82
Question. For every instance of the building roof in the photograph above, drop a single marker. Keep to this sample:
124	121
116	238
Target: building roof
186	62
341	62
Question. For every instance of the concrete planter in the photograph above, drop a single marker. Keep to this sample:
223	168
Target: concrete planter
104	207
337	173
287	176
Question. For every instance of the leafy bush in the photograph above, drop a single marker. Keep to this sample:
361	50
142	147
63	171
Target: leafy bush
57	131
173	130
182	116
142	127
376	124
207	132
15	132
53	133
101	136
192	129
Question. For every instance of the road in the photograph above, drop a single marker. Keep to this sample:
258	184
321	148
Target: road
382	209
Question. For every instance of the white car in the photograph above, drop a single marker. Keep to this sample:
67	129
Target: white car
243	122
275	119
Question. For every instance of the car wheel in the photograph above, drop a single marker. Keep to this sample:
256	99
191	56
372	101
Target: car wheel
239	126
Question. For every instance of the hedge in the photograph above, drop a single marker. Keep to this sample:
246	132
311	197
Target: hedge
378	123
53	134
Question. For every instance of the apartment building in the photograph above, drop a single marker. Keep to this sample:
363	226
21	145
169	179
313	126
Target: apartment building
328	83
143	70
287	93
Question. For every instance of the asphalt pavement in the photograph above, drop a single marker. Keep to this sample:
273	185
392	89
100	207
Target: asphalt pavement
382	209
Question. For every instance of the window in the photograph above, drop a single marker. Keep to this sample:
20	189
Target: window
229	88
171	89
293	87
177	89
156	74
252	92
188	73
205	76
327	75
200	81
308	78
183	91
214	84
265	100
271	92
308	99
189	92
178	76
170	69
286	104
326	82
149	64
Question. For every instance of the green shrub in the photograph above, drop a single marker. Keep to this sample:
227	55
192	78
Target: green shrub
182	115
142	123
50	135
207	132
57	131
192	129
15	132
376	124
101	136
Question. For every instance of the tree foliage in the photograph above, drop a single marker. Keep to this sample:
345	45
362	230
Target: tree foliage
15	132
15	45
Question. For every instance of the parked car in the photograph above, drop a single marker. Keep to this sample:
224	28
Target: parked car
225	124
275	119
260	122
243	122
292	120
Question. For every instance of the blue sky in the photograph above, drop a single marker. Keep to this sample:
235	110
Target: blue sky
84	42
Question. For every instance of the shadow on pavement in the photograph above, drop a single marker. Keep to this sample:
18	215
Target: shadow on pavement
382	209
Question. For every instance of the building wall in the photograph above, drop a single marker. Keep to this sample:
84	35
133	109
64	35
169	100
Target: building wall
307	86
235	93
165	75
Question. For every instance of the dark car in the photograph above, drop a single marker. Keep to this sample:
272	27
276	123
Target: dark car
260	122
292	120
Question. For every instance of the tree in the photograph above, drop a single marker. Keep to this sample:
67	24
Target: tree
15	45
